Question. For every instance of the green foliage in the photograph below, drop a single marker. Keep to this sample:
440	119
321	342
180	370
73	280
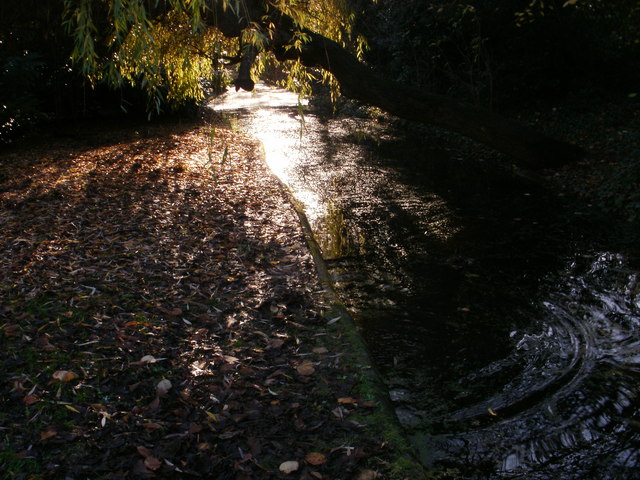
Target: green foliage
167	56
169	51
15	465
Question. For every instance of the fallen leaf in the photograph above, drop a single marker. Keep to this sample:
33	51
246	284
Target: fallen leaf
347	401
333	320
163	387
64	375
69	407
11	330
212	416
492	412
155	403
144	451
289	466
18	385
276	343
340	412
43	343
30	399
146	360
47	434
367	475
152	463
320	350
315	458
306	369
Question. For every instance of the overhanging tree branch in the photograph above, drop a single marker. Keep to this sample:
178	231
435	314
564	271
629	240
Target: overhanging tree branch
524	145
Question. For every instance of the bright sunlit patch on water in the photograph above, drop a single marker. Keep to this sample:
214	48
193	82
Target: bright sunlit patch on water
282	148
262	96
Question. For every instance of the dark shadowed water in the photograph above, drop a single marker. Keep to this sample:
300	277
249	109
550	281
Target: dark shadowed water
510	341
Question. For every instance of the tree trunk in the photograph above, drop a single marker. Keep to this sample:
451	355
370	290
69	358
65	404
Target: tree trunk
525	146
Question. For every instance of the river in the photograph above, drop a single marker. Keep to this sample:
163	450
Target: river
508	337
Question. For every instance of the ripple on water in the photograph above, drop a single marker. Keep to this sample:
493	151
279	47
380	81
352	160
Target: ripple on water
573	406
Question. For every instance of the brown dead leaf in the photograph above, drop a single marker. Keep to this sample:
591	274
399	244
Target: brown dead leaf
196	428
152	463
306	369
347	401
275	343
30	399
43	343
144	451
47	434
64	375
18	385
11	330
315	458
155	403
320	350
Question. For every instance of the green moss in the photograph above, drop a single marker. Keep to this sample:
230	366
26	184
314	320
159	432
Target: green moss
14	465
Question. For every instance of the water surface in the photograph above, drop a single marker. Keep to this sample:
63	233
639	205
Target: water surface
510	342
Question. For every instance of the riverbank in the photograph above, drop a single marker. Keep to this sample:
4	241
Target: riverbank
161	316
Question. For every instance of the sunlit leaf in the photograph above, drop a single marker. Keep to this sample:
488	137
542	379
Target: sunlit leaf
315	458
306	369
64	375
163	387
333	320
289	467
47	434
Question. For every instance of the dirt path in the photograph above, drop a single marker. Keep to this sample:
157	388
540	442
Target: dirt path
160	317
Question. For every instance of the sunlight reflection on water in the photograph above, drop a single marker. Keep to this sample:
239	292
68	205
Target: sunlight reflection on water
275	133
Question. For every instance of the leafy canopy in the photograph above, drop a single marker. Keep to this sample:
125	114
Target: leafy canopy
167	47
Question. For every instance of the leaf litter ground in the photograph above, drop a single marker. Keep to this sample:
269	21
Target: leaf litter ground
160	317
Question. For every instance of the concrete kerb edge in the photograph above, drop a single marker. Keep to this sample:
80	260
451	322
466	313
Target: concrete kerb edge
336	308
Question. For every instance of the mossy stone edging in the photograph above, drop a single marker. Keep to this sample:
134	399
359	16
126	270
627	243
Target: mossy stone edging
405	465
